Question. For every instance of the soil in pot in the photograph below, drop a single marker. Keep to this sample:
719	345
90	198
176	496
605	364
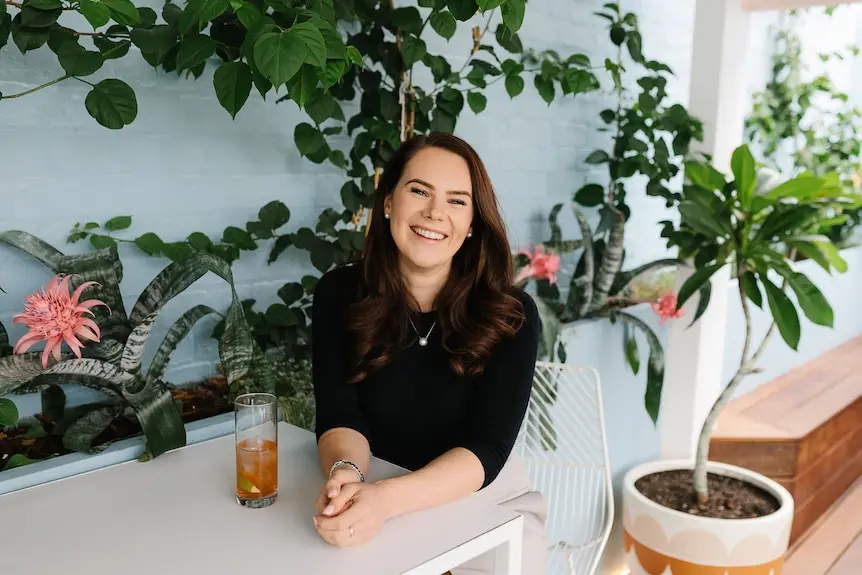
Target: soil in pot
199	401
729	498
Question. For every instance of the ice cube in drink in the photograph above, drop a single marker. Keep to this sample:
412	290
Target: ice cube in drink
256	472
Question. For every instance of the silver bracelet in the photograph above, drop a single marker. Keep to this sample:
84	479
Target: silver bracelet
349	464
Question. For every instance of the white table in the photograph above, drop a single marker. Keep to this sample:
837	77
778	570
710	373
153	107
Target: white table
177	515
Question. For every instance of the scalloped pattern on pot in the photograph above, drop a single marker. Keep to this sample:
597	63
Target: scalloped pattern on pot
749	545
700	540
642	560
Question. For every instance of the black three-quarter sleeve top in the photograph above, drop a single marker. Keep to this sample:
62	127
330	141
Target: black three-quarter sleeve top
416	408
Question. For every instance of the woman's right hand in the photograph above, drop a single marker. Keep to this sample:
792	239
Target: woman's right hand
330	489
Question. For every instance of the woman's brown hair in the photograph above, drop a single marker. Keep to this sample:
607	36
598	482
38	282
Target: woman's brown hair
477	306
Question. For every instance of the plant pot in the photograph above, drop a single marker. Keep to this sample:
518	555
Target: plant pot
659	540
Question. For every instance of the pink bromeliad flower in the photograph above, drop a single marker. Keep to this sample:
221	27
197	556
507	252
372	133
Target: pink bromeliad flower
543	266
54	316
665	307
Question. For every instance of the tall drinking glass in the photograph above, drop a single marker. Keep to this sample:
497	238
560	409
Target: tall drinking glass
256	421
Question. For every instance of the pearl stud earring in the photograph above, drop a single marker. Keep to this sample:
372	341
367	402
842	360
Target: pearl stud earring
386	215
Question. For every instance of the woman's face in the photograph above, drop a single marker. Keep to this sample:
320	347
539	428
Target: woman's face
431	209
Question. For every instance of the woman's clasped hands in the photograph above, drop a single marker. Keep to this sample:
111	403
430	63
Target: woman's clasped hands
349	512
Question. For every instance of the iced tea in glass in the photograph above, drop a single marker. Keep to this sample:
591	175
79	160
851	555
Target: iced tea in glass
256	420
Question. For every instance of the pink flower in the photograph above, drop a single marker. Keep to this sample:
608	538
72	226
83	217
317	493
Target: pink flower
543	266
55	316
665	307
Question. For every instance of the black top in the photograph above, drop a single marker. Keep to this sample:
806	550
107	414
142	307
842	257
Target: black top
416	408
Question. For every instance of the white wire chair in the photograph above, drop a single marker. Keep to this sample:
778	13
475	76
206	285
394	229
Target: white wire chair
564	447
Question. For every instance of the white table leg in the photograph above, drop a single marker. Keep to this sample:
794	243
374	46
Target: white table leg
508	557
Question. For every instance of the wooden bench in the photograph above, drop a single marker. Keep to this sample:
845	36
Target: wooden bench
803	429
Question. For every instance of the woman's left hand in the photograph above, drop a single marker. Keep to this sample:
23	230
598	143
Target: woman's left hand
361	519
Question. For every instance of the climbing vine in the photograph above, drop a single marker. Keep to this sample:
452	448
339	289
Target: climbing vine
798	124
393	106
650	138
292	43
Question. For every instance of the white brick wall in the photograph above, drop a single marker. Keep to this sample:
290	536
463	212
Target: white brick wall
183	165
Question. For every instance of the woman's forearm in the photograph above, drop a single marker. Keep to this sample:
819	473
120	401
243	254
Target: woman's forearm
455	474
343	443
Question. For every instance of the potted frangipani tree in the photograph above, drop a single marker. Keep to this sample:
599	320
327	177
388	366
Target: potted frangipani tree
701	516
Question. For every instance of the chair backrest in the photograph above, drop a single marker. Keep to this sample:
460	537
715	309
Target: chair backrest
563	444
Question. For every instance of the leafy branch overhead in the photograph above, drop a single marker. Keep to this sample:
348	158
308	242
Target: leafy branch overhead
389	106
271	45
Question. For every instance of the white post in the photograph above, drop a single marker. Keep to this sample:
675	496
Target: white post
694	359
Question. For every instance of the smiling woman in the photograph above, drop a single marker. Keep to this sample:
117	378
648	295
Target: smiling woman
423	353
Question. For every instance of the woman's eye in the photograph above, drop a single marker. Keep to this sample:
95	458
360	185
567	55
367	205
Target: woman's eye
459	202
418	191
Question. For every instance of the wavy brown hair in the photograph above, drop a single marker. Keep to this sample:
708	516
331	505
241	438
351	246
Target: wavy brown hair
477	306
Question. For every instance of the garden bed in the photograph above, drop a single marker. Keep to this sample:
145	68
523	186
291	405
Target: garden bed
201	400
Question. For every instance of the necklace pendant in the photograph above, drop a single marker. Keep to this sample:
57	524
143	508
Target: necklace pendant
423	341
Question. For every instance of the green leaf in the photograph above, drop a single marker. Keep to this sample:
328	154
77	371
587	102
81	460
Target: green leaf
96	13
694	283
274	214
249	15
133	350
590	195
751	288
700	219
232	83
630	348
175	335
811	300
353	55
801	187
118	223
5	28
101	242
705	293
545	88
158	40
550	328
514	85
8	413
444	24
513	14
238	237
655	366
34	247
53	402
19	460
235	348
43	4
158	415
27	39
150	243
195	50
112	103
302	87
123	11
598	157
783	312
279	56
705	176
408	19
79	435
821	250
35	431
413	49
308	139
462	10
623	279
745	176
316	54
477	101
